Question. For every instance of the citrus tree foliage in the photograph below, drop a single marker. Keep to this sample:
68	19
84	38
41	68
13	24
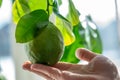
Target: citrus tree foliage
27	14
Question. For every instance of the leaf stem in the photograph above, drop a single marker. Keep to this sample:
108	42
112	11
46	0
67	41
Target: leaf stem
48	7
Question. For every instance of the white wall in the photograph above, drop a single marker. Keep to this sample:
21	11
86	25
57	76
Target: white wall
19	57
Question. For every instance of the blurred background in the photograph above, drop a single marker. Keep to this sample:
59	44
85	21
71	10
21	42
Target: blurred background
105	13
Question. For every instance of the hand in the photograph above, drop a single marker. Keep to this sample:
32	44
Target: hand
98	68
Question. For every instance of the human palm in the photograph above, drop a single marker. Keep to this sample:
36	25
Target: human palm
98	68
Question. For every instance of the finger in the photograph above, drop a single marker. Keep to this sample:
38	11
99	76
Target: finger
63	65
27	66
52	72
85	54
66	66
42	74
72	76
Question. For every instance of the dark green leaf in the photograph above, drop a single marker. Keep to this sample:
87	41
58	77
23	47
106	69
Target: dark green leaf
29	24
55	7
73	15
22	7
0	3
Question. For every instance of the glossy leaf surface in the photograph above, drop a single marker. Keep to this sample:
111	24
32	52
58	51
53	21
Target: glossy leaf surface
64	26
66	30
29	24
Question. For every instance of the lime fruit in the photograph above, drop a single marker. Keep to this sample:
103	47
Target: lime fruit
48	47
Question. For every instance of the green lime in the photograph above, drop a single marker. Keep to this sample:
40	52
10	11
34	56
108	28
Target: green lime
48	47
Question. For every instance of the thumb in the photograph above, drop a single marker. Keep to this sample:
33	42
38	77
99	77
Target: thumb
84	54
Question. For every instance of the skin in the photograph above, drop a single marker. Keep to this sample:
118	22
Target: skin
98	68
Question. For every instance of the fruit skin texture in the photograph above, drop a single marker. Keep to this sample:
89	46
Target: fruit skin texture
48	47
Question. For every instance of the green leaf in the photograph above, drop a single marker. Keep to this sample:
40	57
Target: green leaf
69	53
22	7
51	2
64	26
66	30
55	7
0	3
30	24
73	15
92	37
17	11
